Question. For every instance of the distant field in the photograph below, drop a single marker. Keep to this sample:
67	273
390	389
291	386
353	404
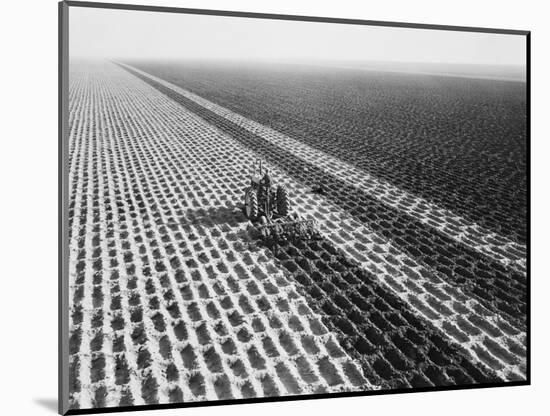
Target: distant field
459	143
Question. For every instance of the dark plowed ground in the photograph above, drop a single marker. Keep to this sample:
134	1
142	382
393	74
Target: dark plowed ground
499	289
394	347
459	143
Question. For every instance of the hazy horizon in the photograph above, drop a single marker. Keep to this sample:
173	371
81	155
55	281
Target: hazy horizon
129	34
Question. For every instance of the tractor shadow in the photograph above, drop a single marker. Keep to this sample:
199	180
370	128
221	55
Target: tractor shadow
232	220
220	216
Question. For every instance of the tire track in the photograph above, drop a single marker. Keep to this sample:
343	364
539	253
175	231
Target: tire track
374	325
484	334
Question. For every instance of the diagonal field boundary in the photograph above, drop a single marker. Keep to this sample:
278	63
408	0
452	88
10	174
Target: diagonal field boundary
487	338
499	248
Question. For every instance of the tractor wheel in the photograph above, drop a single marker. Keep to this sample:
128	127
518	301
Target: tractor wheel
251	204
283	202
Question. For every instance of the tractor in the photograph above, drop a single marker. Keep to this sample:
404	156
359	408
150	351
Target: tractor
269	208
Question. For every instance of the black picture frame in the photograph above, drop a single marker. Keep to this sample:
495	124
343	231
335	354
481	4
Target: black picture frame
63	303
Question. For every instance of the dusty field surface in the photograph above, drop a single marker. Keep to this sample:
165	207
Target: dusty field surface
174	300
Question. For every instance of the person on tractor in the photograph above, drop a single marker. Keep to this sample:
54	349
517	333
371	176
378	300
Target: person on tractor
266	181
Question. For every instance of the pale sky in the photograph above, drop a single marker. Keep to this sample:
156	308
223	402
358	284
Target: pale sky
126	34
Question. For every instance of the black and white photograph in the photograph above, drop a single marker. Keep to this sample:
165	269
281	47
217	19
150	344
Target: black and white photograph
265	208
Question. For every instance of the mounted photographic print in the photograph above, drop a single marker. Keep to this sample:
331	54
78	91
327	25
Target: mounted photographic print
263	207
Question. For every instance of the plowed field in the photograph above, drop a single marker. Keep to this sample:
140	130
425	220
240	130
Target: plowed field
458	142
174	299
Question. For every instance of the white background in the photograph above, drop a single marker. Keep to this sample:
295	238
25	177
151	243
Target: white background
28	206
